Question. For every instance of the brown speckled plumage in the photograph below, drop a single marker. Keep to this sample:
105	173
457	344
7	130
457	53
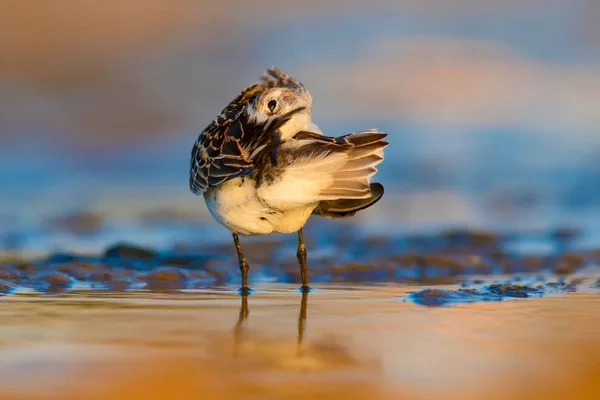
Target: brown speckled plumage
223	149
263	166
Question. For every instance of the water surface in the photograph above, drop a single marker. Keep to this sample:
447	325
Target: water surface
337	342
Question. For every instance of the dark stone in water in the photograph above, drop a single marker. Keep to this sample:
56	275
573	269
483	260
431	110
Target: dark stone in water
4	288
164	278
562	286
574	260
10	273
220	271
164	274
452	266
534	263
26	268
59	258
119	283
496	292
563	269
566	263
337	256
202	279
513	290
52	282
471	237
77	270
409	260
442	297
186	261
54	278
471	283
178	261
129	251
101	276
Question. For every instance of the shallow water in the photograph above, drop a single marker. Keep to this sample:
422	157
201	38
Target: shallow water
449	314
336	342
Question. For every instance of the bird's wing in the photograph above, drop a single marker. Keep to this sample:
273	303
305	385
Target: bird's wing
231	145
218	154
313	168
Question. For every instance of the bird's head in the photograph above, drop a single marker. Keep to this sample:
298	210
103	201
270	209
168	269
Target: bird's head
280	95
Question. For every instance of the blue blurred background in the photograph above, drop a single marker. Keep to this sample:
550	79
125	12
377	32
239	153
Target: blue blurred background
493	109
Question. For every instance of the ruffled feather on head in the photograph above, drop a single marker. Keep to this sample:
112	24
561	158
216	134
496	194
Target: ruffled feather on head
275	78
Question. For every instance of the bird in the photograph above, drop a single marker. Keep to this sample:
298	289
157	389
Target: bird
263	166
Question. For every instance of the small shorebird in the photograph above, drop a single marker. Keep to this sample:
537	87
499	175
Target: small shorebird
263	166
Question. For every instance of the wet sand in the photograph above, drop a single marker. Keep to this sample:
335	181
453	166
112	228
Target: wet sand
337	342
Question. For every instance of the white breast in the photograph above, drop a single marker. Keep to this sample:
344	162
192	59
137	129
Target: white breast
235	205
293	219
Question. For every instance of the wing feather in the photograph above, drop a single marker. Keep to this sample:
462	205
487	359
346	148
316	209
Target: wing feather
232	146
313	168
217	156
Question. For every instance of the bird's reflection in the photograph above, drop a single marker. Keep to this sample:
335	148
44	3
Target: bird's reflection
243	316
245	311
302	318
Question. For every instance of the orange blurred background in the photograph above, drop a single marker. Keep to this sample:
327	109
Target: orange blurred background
491	106
97	73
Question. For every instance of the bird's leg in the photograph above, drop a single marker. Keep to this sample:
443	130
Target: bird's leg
301	254
244	267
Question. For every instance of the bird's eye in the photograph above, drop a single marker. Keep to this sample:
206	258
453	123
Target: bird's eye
272	104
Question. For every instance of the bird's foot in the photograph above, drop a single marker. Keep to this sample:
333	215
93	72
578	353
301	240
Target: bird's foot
305	289
245	291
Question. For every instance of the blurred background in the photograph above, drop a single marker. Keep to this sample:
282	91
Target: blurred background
493	108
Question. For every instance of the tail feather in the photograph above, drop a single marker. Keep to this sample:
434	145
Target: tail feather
355	174
367	150
363	163
335	171
365	137
344	208
353	180
343	194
